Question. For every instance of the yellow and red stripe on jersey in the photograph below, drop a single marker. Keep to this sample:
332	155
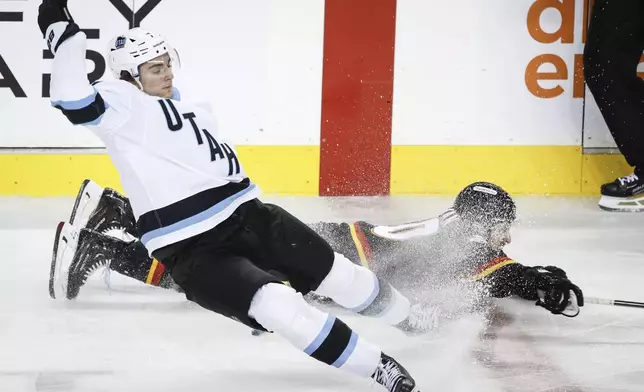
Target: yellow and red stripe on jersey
155	273
362	245
491	266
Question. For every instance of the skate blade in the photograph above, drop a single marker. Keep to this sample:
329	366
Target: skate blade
619	204
64	242
87	199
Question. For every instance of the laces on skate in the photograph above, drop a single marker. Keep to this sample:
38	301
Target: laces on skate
388	375
628	179
391	375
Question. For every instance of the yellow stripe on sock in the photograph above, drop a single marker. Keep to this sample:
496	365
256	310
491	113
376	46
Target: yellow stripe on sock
356	240
153	267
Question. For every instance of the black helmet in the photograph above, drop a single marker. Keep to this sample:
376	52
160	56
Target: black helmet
485	203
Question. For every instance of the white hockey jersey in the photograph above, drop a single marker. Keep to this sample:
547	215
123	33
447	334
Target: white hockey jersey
181	176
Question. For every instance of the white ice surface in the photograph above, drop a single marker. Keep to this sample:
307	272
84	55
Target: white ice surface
138	338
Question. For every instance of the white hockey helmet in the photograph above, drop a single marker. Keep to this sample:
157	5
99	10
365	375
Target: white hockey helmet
126	52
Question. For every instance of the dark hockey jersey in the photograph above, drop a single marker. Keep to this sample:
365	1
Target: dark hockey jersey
433	253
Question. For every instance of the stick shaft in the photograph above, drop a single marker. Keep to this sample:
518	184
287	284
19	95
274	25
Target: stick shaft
614	302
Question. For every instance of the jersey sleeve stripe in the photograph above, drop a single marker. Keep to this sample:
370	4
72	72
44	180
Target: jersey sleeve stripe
77	104
90	114
95	122
492	266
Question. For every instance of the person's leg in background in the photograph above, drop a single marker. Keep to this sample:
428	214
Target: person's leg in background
614	46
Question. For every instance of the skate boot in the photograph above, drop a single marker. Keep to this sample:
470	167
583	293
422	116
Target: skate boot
86	200
625	194
62	255
421	319
76	256
113	216
103	210
391	375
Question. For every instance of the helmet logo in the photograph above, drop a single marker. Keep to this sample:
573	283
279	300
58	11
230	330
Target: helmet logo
120	42
485	190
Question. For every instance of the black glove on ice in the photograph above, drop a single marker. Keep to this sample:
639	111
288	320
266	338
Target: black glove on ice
555	291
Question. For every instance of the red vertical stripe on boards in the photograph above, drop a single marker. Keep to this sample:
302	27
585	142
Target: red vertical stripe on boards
357	96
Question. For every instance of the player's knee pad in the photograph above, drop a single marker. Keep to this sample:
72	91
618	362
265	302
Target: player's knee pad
358	289
351	286
280	309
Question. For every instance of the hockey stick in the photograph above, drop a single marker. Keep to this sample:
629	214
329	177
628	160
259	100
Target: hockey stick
613	302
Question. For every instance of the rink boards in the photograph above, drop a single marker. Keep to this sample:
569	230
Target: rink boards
323	97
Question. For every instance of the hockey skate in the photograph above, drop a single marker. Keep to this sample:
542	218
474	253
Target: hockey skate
391	375
77	254
113	216
62	255
103	210
625	194
86	201
421	319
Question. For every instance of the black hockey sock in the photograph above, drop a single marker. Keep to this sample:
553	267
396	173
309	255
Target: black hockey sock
135	263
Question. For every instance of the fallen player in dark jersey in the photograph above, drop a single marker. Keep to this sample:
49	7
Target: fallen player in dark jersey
462	247
458	255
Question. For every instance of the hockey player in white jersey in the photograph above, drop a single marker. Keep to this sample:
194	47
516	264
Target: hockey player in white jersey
197	211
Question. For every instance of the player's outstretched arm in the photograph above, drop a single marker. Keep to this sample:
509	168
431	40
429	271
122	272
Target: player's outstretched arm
70	90
503	277
548	286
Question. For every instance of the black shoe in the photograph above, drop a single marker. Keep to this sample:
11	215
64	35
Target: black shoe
623	194
391	375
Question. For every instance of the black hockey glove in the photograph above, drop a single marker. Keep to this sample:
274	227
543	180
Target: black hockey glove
50	13
556	293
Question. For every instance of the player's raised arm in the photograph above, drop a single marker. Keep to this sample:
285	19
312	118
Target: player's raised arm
71	91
